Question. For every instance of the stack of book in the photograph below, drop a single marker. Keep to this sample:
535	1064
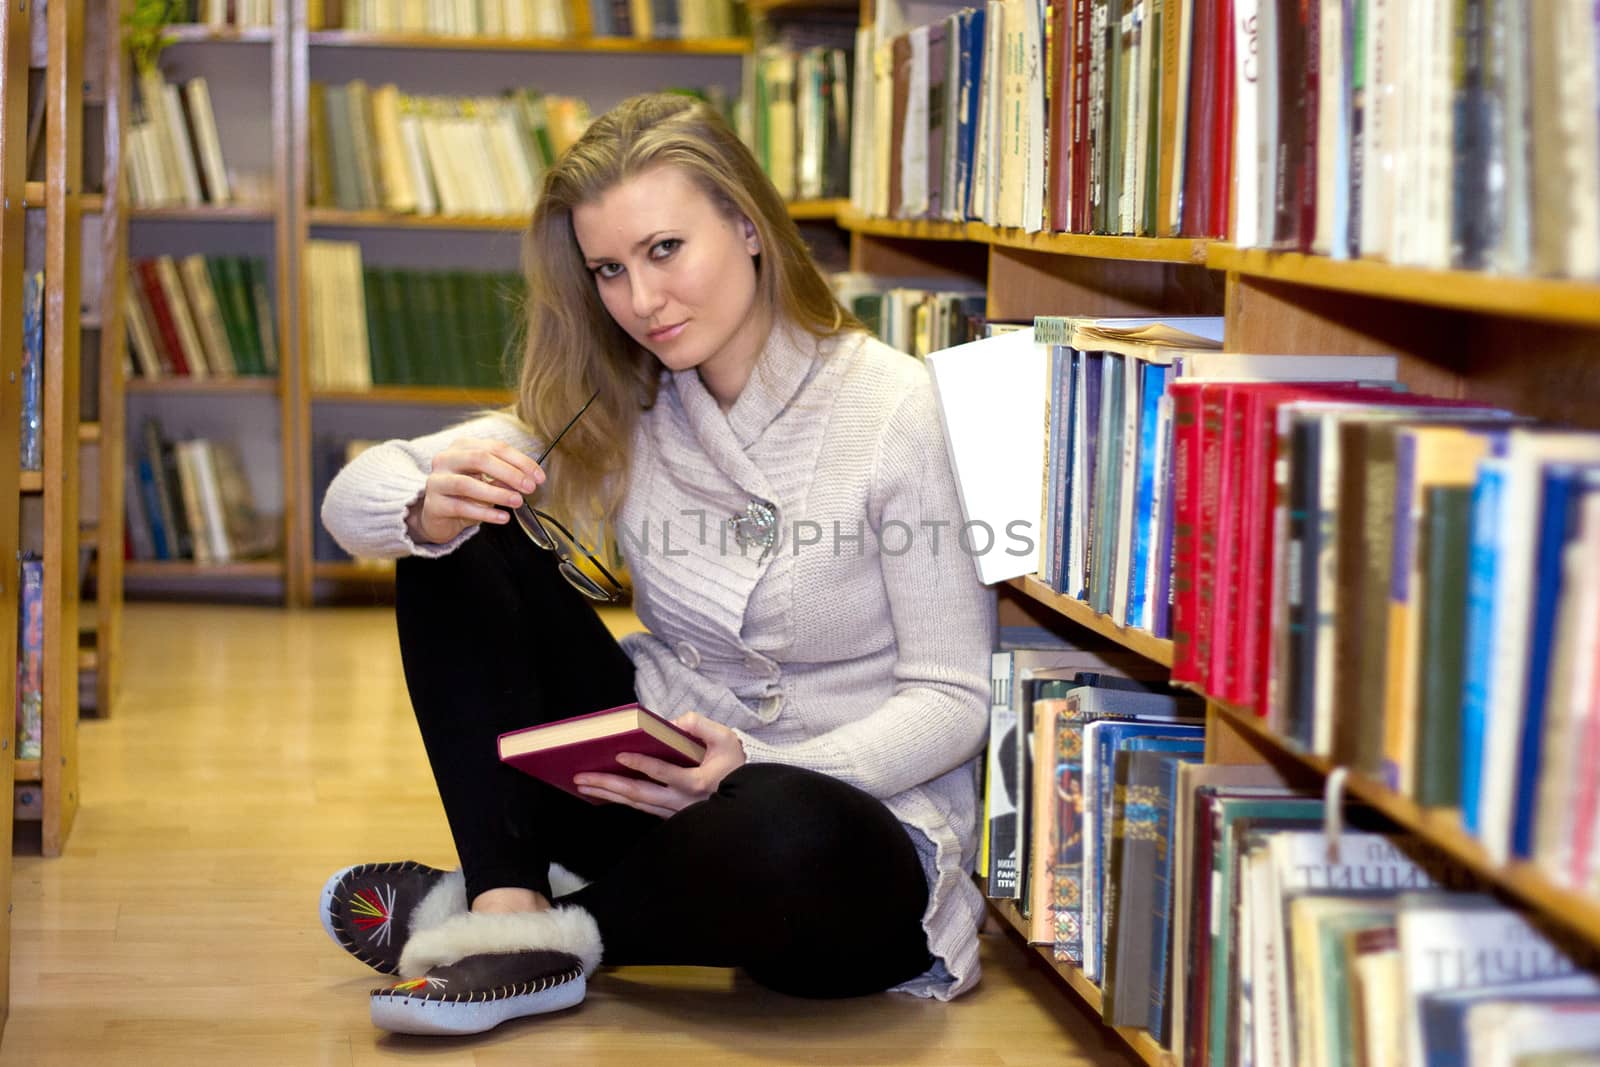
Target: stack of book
200	317
191	500
174	152
384	150
1406	585
388	326
521	19
800	117
915	315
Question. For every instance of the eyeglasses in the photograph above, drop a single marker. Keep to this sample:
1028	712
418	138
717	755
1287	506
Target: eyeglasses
577	564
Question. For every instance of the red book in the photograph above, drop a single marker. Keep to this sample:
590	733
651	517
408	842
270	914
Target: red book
555	752
156	298
1185	528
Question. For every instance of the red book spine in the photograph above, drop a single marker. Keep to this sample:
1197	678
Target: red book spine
1221	131
1059	136
1198	163
156	298
1080	116
1255	579
1229	516
1185	527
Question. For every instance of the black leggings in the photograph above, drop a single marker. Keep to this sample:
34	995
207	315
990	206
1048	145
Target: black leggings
807	883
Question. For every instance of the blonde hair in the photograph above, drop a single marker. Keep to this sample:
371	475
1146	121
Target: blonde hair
574	349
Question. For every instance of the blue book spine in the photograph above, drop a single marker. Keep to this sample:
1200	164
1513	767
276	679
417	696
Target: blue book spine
1558	519
1161	623
1113	737
1061	511
31	457
1159	1019
972	38
1482	561
1049	548
1151	388
159	536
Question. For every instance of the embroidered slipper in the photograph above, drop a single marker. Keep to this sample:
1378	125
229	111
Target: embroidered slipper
372	909
475	971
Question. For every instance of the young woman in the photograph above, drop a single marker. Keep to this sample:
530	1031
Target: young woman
780	488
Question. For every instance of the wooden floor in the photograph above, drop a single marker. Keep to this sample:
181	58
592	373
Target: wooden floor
252	752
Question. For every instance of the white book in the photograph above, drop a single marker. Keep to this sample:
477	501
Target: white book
1034	144
1246	90
991	396
416	159
1128	474
1527	451
1333	135
1462	940
1501	1033
1246	366
198	96
1377	138
951	207
913	146
862	103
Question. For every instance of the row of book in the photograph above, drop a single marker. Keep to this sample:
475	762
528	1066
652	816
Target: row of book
801	119
639	19
220	13
1219	908
383	326
1432	134
191	500
200	317
377	149
909	314
1407	585
173	151
1087	117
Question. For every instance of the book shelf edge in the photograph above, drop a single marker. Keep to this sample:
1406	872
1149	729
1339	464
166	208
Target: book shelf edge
1142	642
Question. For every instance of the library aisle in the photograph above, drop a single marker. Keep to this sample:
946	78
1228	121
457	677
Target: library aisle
255	750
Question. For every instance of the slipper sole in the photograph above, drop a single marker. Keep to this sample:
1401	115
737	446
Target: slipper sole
402	1014
330	894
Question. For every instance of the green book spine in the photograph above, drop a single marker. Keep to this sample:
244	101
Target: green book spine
401	337
221	287
266	335
1443	553
378	334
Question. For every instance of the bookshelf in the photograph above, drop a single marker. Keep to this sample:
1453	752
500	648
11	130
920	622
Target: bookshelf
1527	343
14	56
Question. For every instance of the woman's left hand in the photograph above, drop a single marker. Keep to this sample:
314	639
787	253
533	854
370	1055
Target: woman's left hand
673	788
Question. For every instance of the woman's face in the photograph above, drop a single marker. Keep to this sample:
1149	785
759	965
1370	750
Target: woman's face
677	275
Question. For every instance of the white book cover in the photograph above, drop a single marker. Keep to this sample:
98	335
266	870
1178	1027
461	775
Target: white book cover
1246	86
1457	941
1379	116
1033	116
1527	452
198	95
1248	366
991	396
1502	1033
1333	134
914	137
862	100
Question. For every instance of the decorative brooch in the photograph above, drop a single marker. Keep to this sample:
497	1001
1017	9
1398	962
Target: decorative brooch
758	525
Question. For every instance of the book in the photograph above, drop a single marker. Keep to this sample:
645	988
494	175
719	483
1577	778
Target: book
555	752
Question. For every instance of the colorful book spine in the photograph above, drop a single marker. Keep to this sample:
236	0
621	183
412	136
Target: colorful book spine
30	661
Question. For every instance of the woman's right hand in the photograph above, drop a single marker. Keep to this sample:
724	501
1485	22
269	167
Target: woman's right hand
472	480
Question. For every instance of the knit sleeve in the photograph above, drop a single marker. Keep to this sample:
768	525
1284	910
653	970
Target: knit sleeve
936	717
366	503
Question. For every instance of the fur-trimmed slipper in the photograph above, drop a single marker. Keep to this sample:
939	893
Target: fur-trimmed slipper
475	971
371	910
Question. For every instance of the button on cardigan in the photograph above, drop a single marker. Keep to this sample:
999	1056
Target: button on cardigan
857	645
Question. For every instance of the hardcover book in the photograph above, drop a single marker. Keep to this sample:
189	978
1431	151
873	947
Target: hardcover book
556	752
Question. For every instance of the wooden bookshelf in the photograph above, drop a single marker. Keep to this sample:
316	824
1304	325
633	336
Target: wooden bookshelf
1153	648
389	220
905	229
431	395
609	45
352	573
1239	736
251	386
817	210
1549	299
204	213
28	770
180	569
31	482
1140	1041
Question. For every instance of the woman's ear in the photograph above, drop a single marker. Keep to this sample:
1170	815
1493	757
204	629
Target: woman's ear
752	242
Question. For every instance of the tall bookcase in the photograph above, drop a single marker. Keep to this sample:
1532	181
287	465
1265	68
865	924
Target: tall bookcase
69	227
1528	344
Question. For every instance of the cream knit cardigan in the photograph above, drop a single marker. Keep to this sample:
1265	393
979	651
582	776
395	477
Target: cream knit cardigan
858	647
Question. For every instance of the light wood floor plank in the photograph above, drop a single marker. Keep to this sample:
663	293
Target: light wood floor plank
253	752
